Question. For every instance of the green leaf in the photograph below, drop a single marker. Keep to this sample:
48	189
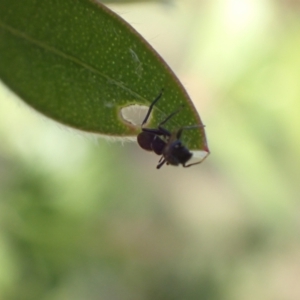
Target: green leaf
80	64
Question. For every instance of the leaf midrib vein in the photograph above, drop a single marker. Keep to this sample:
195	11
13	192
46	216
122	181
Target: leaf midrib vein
66	56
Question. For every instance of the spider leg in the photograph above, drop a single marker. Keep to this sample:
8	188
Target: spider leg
161	162
151	107
160	131
170	116
179	132
164	121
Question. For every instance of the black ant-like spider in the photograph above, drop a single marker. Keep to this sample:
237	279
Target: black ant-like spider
165	143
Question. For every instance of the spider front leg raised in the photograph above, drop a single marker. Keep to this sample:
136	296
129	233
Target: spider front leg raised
151	107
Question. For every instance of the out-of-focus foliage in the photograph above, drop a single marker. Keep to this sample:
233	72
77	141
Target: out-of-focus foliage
86	220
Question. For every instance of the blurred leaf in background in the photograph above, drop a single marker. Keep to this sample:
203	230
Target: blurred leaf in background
84	219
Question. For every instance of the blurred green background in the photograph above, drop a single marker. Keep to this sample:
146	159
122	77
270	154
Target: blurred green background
85	218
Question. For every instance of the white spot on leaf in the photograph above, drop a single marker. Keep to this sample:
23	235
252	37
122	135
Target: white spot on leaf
199	155
134	114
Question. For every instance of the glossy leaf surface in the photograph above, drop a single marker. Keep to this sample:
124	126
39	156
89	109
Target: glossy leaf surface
80	64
